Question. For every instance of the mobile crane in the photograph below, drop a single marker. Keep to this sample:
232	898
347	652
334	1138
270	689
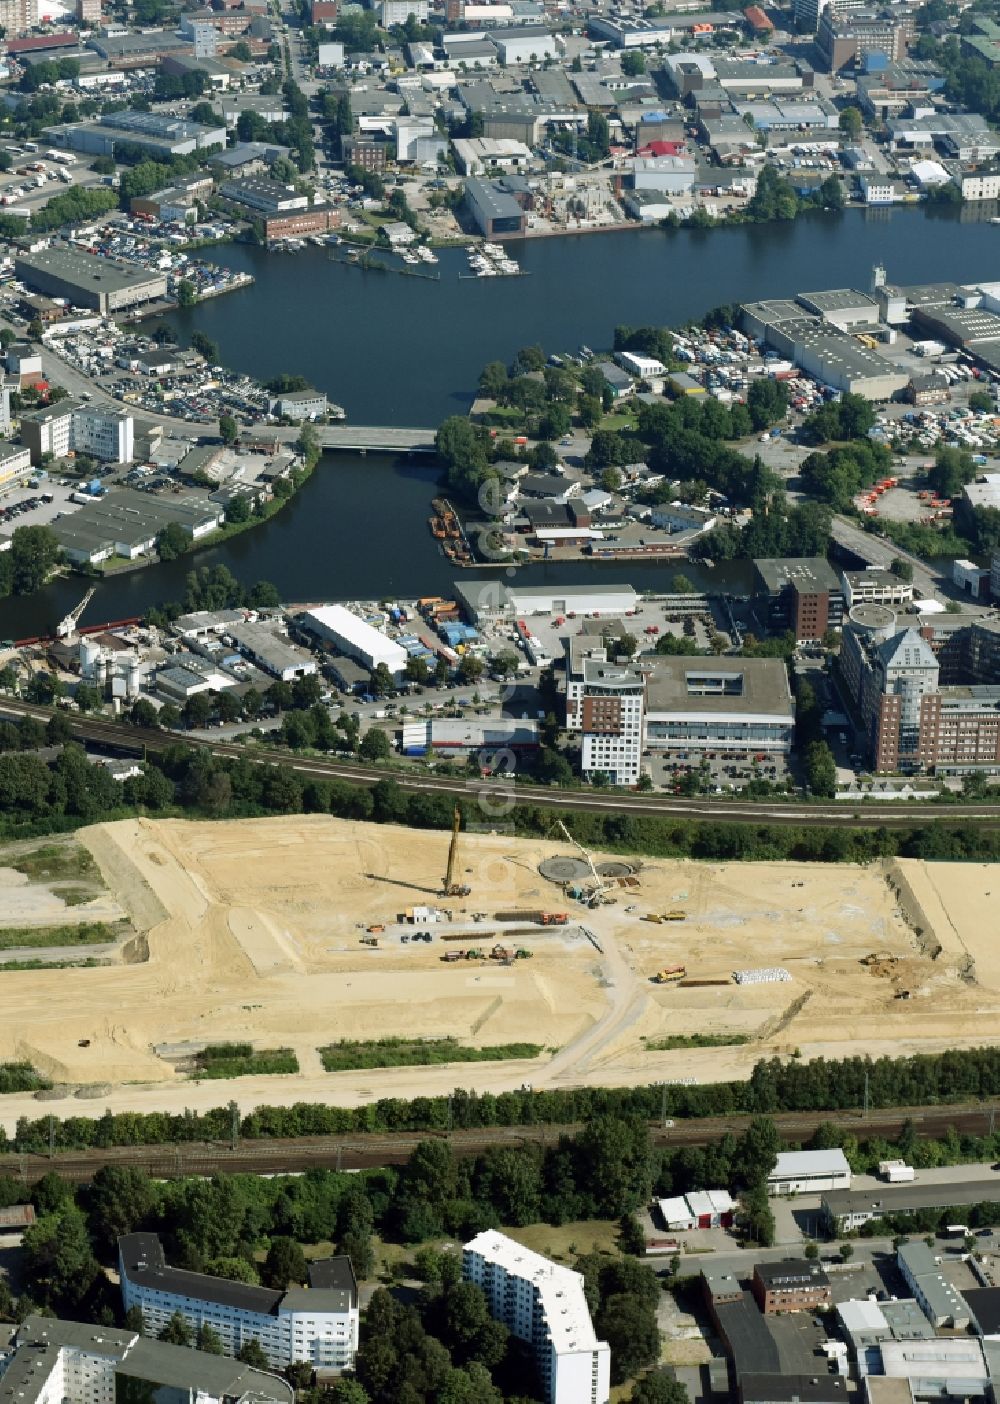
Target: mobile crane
599	883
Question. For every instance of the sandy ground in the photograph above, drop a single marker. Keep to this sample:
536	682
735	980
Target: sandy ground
253	931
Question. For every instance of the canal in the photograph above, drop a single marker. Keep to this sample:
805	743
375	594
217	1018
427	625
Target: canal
407	351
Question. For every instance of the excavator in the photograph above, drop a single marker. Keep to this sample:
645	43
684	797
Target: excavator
451	887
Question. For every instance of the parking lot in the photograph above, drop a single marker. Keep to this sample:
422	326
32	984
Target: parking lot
27	506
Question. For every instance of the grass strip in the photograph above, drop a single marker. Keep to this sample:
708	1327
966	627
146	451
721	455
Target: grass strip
663	1045
221	1060
417	1052
88	933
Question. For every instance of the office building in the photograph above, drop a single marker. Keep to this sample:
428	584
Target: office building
543	1304
798	595
317	1324
86	280
874	586
929	697
71	427
942	1303
350	635
851	39
809	1172
667	706
48	1361
792	1284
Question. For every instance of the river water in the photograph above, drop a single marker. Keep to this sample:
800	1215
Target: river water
407	351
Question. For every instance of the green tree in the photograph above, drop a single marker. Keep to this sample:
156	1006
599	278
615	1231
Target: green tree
208	1340
902	569
349	1392
285	1263
58	1260
820	770
375	745
176	1331
251	1353
187	293
658	1387
229	430
205	346
629	1326
118	1201
850	122
471	668
34	552
172	541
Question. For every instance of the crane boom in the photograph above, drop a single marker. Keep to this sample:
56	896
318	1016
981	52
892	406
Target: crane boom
66	628
590	862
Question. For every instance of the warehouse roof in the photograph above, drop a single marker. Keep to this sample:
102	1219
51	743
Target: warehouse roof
809	1389
984	1303
806	573
87	270
789	1164
909	1199
750	1342
836	300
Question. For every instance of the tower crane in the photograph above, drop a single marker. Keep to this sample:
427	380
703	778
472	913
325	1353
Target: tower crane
600	886
66	628
451	887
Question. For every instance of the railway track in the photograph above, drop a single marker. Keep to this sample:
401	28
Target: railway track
720	810
365	1152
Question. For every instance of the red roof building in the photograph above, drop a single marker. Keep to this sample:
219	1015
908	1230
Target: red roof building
662	148
42	41
757	20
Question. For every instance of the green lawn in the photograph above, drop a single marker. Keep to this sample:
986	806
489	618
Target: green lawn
618	419
416	1052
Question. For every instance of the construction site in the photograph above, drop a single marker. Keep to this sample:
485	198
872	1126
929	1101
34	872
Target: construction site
300	932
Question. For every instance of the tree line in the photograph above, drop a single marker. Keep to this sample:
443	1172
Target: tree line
959	1075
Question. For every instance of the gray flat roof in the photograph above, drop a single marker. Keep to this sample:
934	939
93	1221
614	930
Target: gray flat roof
680	684
751	1343
905	1199
805	573
87	270
837	299
124	515
144	1264
181	1367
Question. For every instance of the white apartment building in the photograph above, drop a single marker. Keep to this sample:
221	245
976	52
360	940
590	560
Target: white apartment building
47	1361
72	427
318	1323
543	1304
874	586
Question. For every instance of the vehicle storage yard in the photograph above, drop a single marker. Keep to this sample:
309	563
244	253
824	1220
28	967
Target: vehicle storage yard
259	930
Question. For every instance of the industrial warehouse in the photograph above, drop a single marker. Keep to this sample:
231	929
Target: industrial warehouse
849	340
88	281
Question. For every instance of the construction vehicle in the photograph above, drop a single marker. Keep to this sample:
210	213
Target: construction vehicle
502	953
451	887
369	940
675	916
669	974
522	954
473	954
594	897
449	956
375	930
653	917
66	628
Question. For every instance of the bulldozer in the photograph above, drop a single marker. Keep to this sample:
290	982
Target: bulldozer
451	887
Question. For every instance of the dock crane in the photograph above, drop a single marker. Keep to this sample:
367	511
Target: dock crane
451	887
66	628
600	885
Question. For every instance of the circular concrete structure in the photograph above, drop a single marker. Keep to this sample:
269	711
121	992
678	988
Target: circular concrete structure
564	869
